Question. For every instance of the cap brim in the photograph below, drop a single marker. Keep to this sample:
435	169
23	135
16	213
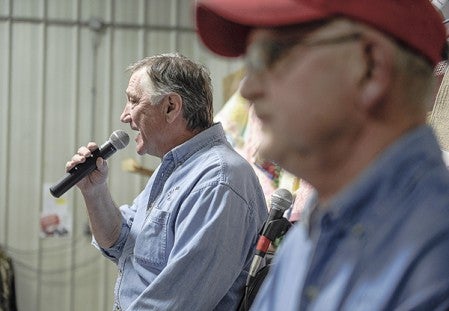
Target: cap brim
224	25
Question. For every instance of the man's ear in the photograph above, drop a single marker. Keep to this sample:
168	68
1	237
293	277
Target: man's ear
378	77
173	107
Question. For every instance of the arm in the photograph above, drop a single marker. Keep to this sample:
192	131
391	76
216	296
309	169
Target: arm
104	216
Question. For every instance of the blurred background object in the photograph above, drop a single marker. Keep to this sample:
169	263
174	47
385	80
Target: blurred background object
130	165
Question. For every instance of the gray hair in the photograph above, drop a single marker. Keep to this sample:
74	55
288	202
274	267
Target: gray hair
190	80
417	77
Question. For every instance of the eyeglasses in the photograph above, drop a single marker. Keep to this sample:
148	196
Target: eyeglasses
263	55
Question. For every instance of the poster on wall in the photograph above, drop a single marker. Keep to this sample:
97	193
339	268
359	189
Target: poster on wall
55	220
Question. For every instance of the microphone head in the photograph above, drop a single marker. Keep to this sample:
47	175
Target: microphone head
281	200
119	139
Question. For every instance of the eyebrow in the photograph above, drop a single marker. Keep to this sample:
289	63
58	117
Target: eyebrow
130	95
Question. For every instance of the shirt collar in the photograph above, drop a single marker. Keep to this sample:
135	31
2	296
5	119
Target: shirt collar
209	136
390	170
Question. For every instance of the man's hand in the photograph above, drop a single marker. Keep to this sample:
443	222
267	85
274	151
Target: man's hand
98	176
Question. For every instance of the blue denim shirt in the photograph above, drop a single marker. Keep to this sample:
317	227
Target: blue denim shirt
188	239
381	244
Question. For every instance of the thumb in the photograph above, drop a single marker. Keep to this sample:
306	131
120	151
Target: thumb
102	165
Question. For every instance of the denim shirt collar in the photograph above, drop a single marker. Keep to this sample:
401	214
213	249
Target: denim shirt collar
208	137
393	169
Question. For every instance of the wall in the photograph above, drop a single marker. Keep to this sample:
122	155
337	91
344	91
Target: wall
62	84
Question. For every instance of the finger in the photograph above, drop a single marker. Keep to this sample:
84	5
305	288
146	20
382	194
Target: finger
76	159
92	146
70	164
102	165
83	151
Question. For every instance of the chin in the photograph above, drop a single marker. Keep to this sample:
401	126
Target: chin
273	151
140	150
266	151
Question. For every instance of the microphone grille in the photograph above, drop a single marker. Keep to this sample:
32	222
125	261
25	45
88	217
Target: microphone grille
281	199
119	139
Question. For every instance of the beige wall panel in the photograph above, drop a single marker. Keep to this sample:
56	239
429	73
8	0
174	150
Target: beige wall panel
163	13
89	286
53	289
4	126
4	7
160	41
59	118
129	12
24	155
62	9
185	14
60	99
98	8
28	8
27	280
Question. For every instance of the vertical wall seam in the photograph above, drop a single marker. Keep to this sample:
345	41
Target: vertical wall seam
41	118
8	124
177	23
103	265
76	78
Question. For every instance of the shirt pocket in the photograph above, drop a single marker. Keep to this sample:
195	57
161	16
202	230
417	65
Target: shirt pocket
151	243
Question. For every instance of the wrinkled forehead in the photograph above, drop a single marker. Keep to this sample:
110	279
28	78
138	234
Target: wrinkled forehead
139	83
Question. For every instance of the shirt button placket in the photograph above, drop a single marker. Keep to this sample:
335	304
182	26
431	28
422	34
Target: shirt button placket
311	293
358	231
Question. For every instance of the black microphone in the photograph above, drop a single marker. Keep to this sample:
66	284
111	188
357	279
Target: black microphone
276	224
118	140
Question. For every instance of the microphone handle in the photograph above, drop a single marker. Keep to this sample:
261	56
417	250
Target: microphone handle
81	170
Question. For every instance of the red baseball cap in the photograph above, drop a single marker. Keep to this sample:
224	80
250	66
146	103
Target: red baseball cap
223	25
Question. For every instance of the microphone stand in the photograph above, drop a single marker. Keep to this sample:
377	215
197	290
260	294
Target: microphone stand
272	230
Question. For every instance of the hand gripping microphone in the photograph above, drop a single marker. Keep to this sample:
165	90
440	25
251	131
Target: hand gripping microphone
118	140
275	226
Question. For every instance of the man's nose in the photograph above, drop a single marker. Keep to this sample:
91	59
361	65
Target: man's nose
251	87
125	117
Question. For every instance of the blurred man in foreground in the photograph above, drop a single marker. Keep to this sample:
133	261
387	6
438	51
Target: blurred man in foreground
342	89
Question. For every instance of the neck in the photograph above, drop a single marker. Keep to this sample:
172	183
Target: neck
177	137
330	171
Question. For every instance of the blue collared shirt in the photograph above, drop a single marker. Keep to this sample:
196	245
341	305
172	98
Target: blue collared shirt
188	239
380	244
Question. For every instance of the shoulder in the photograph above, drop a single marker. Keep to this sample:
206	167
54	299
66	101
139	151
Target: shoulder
222	163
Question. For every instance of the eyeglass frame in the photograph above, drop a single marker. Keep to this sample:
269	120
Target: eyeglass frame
274	50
